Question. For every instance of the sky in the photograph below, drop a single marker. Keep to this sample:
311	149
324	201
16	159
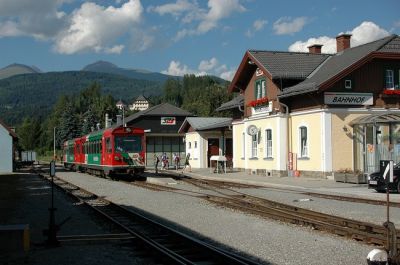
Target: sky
182	36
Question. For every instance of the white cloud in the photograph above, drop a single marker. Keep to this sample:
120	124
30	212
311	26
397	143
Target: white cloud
95	27
175	68
117	49
365	32
39	19
228	75
10	29
258	25
206	67
189	11
287	25
218	9
175	9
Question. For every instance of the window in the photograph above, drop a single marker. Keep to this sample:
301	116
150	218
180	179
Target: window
189	145
303	142
128	144
260	89
243	145
195	144
389	79
347	84
254	145
268	143
108	145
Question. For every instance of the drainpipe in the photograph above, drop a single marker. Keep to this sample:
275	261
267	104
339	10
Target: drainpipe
288	143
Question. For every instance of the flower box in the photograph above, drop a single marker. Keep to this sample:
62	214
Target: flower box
356	178
391	92
261	108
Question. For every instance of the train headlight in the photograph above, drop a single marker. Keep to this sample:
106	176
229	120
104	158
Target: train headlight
116	158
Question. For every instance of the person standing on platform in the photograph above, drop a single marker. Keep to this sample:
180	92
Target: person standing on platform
187	163
156	161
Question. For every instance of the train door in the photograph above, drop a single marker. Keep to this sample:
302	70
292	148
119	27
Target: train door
107	151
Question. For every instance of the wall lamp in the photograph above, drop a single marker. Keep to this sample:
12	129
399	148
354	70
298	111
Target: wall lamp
345	129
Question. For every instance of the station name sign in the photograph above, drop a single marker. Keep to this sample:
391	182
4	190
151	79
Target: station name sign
341	98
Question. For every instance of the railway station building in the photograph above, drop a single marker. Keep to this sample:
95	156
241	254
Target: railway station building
206	137
8	140
314	114
161	123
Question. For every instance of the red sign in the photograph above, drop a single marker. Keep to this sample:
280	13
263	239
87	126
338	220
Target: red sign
168	120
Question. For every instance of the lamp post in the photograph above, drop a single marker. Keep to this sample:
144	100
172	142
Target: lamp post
54	144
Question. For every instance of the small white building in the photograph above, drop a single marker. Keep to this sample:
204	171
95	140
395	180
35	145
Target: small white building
206	137
7	140
140	103
120	105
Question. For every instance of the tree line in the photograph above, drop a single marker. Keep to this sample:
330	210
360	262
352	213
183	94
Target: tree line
78	114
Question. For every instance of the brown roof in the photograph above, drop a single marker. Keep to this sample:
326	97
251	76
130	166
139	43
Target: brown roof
11	132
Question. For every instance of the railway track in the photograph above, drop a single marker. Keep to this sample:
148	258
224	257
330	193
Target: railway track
224	184
227	197
163	244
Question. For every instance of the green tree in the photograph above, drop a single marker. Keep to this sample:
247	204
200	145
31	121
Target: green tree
29	134
173	92
68	126
89	121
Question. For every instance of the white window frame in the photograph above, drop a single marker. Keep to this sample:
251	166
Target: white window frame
260	87
254	145
389	79
347	83
268	144
304	149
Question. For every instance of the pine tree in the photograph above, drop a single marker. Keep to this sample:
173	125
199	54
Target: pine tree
89	121
68	125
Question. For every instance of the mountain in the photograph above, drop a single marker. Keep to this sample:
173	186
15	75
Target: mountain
17	69
35	94
107	67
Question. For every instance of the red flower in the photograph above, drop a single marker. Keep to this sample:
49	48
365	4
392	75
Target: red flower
391	92
258	102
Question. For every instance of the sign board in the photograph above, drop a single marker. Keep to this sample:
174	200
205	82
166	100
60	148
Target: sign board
386	170
52	168
341	98
168	121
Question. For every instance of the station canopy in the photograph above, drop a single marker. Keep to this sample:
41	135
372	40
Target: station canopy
376	118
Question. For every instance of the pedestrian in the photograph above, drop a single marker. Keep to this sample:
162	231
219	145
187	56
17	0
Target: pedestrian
177	160
156	161
187	163
164	161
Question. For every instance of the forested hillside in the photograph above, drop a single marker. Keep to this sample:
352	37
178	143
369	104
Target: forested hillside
77	113
34	95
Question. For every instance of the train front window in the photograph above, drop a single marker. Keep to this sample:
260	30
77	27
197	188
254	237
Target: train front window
128	144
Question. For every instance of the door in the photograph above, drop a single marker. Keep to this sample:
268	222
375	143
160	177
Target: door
213	150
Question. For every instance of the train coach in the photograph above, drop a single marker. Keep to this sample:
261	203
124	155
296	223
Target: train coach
108	152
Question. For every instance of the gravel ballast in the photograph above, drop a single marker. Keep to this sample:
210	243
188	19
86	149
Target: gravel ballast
271	241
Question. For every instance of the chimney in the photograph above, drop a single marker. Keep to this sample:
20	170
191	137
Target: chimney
119	120
107	122
343	42
315	48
